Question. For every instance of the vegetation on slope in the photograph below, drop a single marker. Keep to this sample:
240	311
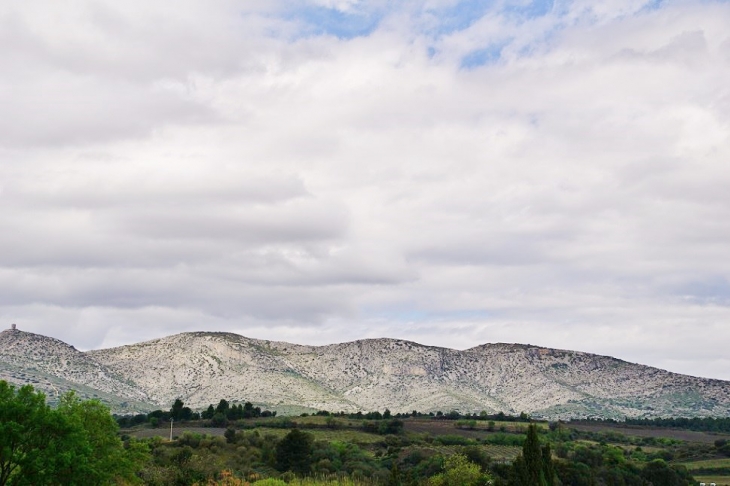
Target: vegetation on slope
79	443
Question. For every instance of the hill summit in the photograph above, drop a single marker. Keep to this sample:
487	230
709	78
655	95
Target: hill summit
370	374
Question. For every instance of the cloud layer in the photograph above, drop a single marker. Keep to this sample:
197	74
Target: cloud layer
452	173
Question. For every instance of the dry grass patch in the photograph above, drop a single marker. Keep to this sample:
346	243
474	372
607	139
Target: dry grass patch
706	464
718	480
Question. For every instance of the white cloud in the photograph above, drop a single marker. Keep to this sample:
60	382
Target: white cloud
222	167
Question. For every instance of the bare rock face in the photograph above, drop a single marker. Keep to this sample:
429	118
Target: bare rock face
373	374
54	367
202	368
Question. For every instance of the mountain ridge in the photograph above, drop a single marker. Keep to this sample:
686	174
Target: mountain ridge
371	374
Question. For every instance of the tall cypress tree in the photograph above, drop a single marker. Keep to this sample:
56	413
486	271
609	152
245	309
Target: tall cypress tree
548	468
529	468
532	453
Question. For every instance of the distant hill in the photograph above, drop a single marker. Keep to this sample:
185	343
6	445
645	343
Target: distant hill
372	374
54	367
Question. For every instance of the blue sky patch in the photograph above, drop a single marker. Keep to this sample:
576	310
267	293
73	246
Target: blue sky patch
482	57
465	13
535	9
715	289
653	5
330	21
460	16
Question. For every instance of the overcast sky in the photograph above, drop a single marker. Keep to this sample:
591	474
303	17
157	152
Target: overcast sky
452	173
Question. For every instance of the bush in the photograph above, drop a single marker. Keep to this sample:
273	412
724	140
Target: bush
454	440
505	439
294	452
269	482
219	420
458	470
466	424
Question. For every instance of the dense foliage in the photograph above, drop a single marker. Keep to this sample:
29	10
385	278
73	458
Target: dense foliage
78	443
289	447
704	424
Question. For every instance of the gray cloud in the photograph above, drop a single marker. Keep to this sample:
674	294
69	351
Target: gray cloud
225	167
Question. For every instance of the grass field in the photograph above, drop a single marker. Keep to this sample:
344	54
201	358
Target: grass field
449	427
497	453
230	480
342	435
502	453
635	431
143	433
718	480
707	464
312	419
432	436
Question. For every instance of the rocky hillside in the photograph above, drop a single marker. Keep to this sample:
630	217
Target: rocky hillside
203	367
54	367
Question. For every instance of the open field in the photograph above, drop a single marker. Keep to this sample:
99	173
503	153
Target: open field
426	437
497	453
144	433
636	431
718	480
318	424
342	435
502	453
707	464
449	427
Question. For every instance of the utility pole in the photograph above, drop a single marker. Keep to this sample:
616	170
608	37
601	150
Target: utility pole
171	421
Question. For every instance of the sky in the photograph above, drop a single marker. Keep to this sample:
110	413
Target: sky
453	173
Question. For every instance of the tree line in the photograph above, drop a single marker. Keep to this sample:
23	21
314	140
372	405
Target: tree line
219	415
699	424
78	443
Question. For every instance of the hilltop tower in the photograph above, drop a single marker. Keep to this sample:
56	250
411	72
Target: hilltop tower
13	327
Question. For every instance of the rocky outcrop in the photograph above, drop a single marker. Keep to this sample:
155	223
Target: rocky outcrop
55	367
203	367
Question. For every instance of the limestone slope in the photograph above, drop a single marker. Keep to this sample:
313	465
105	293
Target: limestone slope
203	367
55	367
372	374
376	373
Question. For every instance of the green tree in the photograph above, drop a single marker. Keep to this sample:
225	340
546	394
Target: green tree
29	437
478	456
534	467
106	457
219	420
176	409
548	468
395	477
294	452
222	407
458	470
179	411
658	472
208	414
74	444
